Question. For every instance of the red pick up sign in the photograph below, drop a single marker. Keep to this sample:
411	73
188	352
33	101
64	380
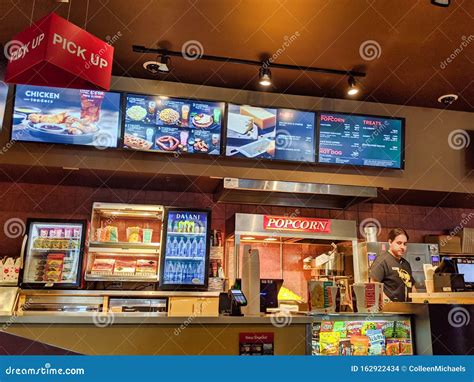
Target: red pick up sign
55	52
283	223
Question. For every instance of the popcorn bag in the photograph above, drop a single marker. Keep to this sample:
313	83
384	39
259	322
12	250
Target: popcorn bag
369	297
322	296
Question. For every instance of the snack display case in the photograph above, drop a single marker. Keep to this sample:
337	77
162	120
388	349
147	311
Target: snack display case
362	334
185	259
124	243
53	253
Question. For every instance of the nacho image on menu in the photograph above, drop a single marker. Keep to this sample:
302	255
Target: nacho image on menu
172	125
269	133
66	116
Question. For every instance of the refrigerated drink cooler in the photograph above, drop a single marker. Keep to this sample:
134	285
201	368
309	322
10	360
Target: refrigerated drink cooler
185	252
53	253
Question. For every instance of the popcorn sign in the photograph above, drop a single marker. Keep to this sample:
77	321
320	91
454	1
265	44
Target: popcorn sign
54	52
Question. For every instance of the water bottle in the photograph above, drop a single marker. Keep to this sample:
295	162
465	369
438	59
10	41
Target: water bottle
174	247
181	247
188	248
170	274
178	278
189	274
194	248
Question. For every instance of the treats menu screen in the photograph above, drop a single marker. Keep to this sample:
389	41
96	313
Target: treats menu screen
155	123
360	140
283	134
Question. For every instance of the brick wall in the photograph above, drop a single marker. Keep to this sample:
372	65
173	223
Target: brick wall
23	200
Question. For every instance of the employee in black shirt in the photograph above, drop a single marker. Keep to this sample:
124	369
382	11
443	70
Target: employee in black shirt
391	269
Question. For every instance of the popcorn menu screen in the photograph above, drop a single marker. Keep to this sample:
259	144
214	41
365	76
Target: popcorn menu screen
66	116
283	134
360	140
170	125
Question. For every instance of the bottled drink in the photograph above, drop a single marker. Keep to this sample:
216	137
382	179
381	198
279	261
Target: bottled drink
181	248
179	274
188	248
200	248
194	248
174	247
170	274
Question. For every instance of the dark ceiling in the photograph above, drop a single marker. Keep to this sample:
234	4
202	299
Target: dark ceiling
412	40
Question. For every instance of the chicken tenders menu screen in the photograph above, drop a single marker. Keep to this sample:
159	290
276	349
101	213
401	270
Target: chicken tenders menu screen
173	125
361	140
66	116
282	134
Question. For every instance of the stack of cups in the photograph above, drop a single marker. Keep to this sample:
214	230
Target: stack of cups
369	297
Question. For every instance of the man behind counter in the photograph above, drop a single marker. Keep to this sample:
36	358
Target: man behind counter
391	269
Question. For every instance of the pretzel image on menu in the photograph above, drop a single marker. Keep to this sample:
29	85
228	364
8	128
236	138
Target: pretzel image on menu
167	143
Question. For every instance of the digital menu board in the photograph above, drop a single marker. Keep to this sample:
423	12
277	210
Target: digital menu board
361	140
66	116
282	134
154	123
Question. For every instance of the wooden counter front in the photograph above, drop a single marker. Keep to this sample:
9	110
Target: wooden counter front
443	298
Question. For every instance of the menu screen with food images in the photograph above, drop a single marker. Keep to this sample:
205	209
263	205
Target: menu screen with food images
173	125
66	116
360	140
282	134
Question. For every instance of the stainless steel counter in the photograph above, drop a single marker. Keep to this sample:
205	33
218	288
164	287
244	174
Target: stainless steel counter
147	318
153	318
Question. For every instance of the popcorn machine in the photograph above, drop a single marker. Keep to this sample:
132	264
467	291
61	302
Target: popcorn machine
296	249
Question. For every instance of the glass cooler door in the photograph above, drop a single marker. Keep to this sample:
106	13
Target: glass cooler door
185	253
53	255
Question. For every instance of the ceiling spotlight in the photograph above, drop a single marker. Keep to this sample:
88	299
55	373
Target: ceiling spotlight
353	88
441	3
265	76
155	67
248	238
448	99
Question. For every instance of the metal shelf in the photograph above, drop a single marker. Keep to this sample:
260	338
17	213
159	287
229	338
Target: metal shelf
91	277
138	255
53	249
123	245
184	258
187	234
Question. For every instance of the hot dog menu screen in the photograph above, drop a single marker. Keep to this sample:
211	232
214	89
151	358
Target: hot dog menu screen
360	140
155	123
283	134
